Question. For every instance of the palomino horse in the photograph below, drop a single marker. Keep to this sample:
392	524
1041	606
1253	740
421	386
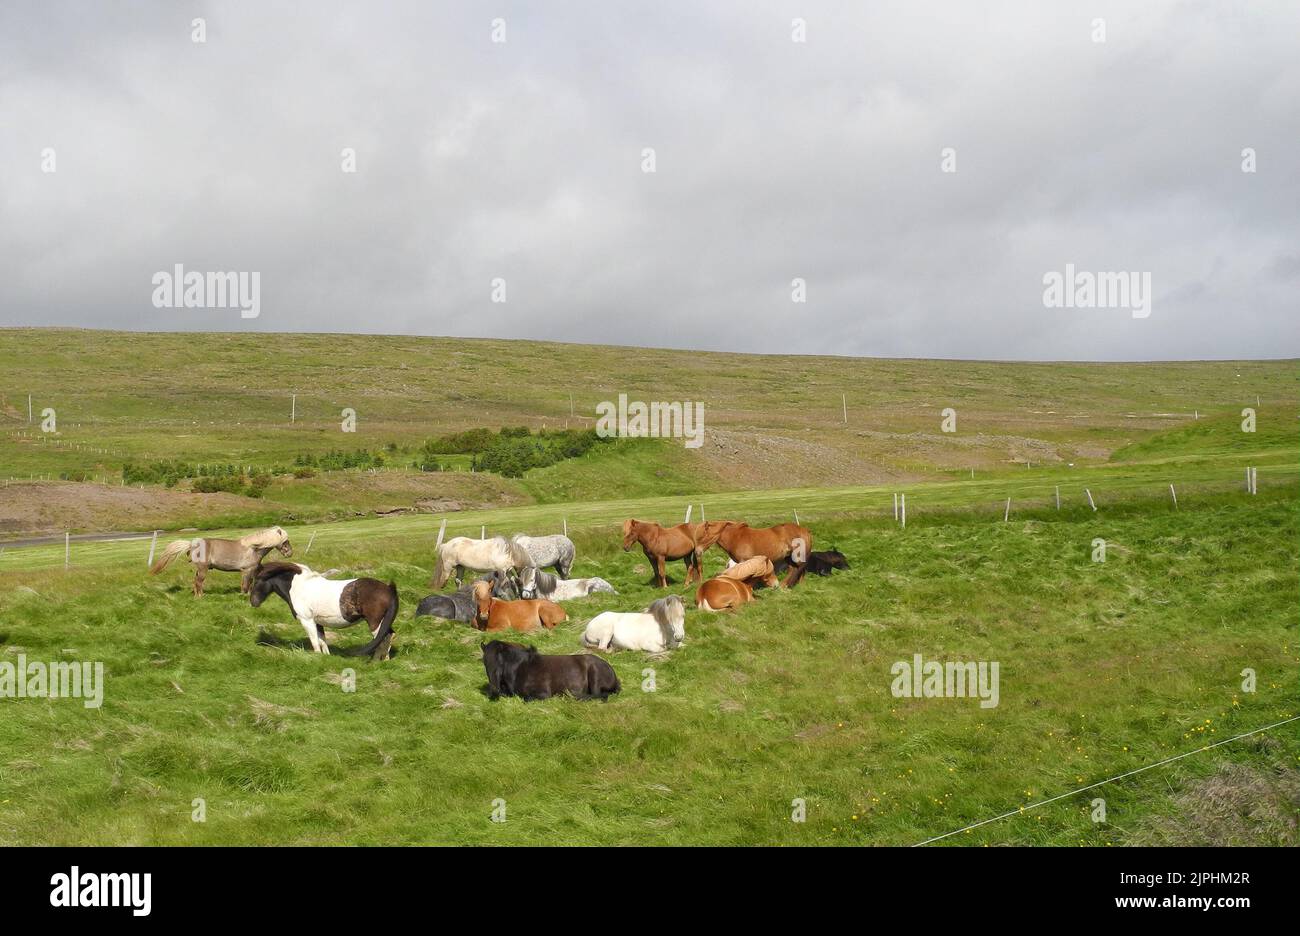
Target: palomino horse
662	544
786	543
241	555
758	568
481	555
555	551
524	615
318	602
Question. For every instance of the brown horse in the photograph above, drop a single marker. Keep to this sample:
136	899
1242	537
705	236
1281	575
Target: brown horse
723	594
784	543
759	568
660	544
241	555
524	615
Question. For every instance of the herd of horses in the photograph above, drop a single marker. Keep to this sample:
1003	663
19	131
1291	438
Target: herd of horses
513	593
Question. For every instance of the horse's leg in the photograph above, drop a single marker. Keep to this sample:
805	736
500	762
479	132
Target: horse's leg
246	580
200	573
661	570
315	635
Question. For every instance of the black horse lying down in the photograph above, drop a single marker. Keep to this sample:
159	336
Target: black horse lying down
516	670
461	605
821	563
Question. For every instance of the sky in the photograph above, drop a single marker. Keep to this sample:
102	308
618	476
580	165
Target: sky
783	170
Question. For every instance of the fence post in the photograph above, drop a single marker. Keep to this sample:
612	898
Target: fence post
1058	497
688	513
796	518
844	402
1174	495
565	521
895	506
902	500
1007	516
309	542
67	550
442	531
482	532
152	544
1090	501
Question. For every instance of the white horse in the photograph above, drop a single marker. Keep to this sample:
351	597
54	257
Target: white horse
481	555
555	551
534	583
662	626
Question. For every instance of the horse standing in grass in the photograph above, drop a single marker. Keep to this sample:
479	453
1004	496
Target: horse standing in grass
493	614
555	551
785	544
241	555
661	544
318	602
481	555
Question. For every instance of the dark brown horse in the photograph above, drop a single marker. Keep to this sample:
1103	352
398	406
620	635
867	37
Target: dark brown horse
661	544
515	670
785	543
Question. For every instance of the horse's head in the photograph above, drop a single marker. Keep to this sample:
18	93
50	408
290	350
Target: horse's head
630	530
671	615
483	598
272	578
285	548
528	582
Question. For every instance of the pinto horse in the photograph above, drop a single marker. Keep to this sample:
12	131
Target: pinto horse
786	543
318	602
525	615
241	555
660	544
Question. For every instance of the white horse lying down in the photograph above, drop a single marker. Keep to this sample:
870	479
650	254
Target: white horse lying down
534	583
662	626
482	555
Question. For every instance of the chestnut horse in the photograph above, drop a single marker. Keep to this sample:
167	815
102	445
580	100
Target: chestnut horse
786	543
723	594
241	555
662	544
524	615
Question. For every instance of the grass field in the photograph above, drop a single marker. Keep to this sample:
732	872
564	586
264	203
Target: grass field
1105	667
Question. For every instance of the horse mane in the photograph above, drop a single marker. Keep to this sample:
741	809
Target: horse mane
546	582
666	611
268	538
519	554
271	569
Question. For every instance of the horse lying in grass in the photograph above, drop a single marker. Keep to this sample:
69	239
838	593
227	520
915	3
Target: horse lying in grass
662	544
461	605
243	555
481	555
785	543
525	615
516	670
534	583
821	563
757	569
662	626
318	602
555	551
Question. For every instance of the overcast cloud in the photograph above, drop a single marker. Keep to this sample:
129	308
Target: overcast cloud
775	159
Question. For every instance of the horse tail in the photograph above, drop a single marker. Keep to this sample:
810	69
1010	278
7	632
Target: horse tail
385	628
174	549
442	569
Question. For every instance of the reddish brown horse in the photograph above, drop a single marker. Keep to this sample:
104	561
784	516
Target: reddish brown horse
784	543
723	594
525	615
662	544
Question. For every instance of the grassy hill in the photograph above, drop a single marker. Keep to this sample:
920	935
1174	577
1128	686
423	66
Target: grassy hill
771	421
